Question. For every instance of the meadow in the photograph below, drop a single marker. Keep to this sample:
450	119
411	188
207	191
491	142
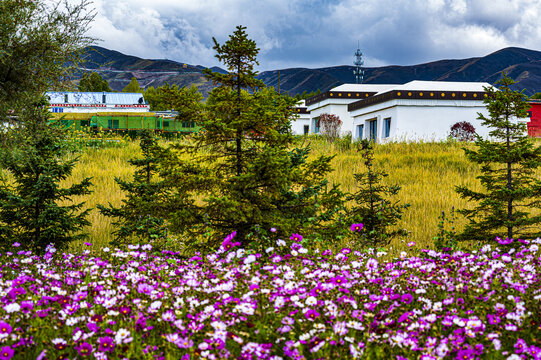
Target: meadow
427	173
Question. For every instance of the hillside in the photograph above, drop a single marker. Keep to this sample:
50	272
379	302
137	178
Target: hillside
523	65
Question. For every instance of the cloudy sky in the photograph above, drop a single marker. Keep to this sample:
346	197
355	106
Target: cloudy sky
318	33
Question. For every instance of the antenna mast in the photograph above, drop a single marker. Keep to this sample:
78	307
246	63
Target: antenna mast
358	71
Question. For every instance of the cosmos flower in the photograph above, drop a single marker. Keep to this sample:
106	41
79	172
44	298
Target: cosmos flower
356	227
6	353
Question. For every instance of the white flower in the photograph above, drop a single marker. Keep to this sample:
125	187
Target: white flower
269	250
280	242
310	300
105	249
14	307
249	259
156	305
121	336
146	247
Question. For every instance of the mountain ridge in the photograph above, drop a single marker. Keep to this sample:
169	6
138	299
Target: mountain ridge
523	65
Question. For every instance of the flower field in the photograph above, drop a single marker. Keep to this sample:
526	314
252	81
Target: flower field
291	302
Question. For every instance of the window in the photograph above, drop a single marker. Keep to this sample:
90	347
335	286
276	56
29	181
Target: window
315	124
113	123
85	123
360	132
386	127
65	98
166	123
306	129
373	130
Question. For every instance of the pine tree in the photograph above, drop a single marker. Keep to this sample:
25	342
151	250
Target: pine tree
93	81
240	173
30	210
373	203
508	161
139	218
133	86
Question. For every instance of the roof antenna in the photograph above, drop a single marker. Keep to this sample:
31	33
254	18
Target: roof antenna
358	71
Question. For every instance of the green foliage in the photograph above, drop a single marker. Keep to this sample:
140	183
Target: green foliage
133	86
40	46
536	96
373	206
30	212
305	95
240	173
446	237
93	82
508	161
186	101
139	218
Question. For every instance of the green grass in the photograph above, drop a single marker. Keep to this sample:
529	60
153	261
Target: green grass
427	173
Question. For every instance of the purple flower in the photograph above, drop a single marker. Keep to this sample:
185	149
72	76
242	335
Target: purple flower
84	349
273	230
501	241
6	353
296	237
16	244
5	328
185	343
88	244
356	227
311	315
406	298
520	346
106	344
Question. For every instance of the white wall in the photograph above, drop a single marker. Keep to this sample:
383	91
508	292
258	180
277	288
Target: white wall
420	120
297	125
338	107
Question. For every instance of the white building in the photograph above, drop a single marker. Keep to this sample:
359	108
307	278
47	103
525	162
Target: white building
418	110
85	102
336	101
301	125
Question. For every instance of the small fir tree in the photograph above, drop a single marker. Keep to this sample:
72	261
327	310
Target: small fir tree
139	218
508	161
93	82
242	173
30	210
373	203
133	86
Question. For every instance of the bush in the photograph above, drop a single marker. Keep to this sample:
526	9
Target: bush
463	131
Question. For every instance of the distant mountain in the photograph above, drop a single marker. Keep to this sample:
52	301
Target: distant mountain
523	65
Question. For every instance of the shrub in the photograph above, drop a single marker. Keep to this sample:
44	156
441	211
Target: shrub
463	131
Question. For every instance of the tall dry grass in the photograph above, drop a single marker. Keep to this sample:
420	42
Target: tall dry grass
427	173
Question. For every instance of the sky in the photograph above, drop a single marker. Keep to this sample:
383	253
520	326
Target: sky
318	33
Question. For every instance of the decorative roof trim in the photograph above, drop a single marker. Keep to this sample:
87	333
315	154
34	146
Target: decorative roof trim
417	95
339	95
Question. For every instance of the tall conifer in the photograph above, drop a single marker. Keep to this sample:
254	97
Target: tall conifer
508	160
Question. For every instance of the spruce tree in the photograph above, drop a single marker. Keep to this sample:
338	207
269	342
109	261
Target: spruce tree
374	203
508	205
34	209
93	82
242	172
139	218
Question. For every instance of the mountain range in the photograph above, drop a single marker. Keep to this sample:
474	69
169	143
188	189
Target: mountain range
523	65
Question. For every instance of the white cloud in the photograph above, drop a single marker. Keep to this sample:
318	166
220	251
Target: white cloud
315	33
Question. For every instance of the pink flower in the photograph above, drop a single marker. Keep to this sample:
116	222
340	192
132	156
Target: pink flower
296	237
356	227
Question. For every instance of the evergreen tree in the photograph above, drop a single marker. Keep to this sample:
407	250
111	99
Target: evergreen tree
42	43
139	218
93	82
133	86
508	161
30	210
373	204
240	174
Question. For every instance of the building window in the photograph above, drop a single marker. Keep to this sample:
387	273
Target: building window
386	127
306	129
66	98
113	123
315	124
373	130
360	132
85	123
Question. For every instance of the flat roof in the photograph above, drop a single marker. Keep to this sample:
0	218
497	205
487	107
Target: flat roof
88	98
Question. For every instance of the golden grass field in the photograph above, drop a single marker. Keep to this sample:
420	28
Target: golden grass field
427	173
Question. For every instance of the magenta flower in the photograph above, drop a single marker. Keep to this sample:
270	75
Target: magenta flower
520	346
84	349
6	353
16	244
296	237
406	298
356	227
106	344
507	241
5	328
311	314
